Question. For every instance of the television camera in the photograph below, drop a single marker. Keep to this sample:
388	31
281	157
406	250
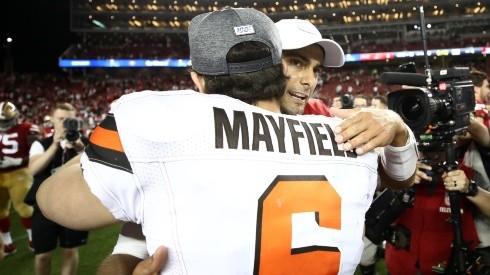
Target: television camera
435	112
437	106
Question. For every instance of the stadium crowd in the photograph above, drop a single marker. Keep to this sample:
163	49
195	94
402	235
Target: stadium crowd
175	45
35	94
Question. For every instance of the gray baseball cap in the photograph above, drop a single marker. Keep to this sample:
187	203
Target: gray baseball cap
213	34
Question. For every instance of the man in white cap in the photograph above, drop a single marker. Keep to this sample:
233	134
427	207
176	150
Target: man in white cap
307	53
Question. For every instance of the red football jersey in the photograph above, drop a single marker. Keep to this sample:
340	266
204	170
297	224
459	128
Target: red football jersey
316	107
481	111
15	142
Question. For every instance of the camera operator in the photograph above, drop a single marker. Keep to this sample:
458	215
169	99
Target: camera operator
424	235
45	157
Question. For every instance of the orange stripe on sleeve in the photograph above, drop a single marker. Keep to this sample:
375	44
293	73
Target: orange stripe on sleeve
106	138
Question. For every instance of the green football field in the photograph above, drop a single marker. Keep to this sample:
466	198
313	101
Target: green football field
100	244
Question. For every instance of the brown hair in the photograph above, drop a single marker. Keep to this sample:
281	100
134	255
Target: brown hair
477	77
64	106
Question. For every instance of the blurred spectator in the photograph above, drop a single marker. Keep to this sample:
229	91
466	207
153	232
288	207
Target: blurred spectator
360	101
482	92
46	128
380	102
337	102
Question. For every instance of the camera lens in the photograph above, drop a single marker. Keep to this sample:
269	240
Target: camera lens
71	124
411	108
347	101
72	136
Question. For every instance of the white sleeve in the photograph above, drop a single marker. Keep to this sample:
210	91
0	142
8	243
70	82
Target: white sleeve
115	188
131	246
36	149
400	163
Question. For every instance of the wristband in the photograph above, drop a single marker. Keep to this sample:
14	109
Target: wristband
131	246
472	189
400	163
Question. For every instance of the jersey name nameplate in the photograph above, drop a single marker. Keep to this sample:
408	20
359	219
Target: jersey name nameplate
319	136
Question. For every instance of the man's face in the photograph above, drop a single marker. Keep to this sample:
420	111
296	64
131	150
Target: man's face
337	102
376	103
484	91
59	116
303	67
360	102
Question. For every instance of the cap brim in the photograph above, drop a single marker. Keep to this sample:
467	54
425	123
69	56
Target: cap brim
298	33
334	55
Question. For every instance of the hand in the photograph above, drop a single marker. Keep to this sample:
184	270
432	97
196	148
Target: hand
77	145
7	161
58	136
368	128
456	180
422	175
153	264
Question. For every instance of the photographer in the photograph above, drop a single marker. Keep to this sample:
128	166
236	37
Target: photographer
424	235
45	157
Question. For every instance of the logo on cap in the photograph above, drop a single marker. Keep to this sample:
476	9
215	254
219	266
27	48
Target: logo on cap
244	30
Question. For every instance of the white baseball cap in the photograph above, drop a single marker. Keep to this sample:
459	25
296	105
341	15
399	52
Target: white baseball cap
299	33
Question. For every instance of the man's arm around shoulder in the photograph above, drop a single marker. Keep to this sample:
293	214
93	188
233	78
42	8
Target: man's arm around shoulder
66	199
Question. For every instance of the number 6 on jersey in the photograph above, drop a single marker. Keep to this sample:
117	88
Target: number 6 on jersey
298	218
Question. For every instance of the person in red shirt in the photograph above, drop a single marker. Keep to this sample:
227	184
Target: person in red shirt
299	40
15	178
427	222
431	235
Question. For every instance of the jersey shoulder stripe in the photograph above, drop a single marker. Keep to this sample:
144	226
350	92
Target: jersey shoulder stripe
106	135
105	146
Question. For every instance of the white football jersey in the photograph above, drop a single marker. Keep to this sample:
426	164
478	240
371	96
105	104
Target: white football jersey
231	188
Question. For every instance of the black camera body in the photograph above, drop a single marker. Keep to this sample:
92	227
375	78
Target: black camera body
347	101
73	127
438	112
384	210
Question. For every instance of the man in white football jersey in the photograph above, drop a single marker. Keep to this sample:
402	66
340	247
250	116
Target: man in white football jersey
301	51
229	188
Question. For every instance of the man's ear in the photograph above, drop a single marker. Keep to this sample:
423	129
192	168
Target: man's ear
285	67
198	81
